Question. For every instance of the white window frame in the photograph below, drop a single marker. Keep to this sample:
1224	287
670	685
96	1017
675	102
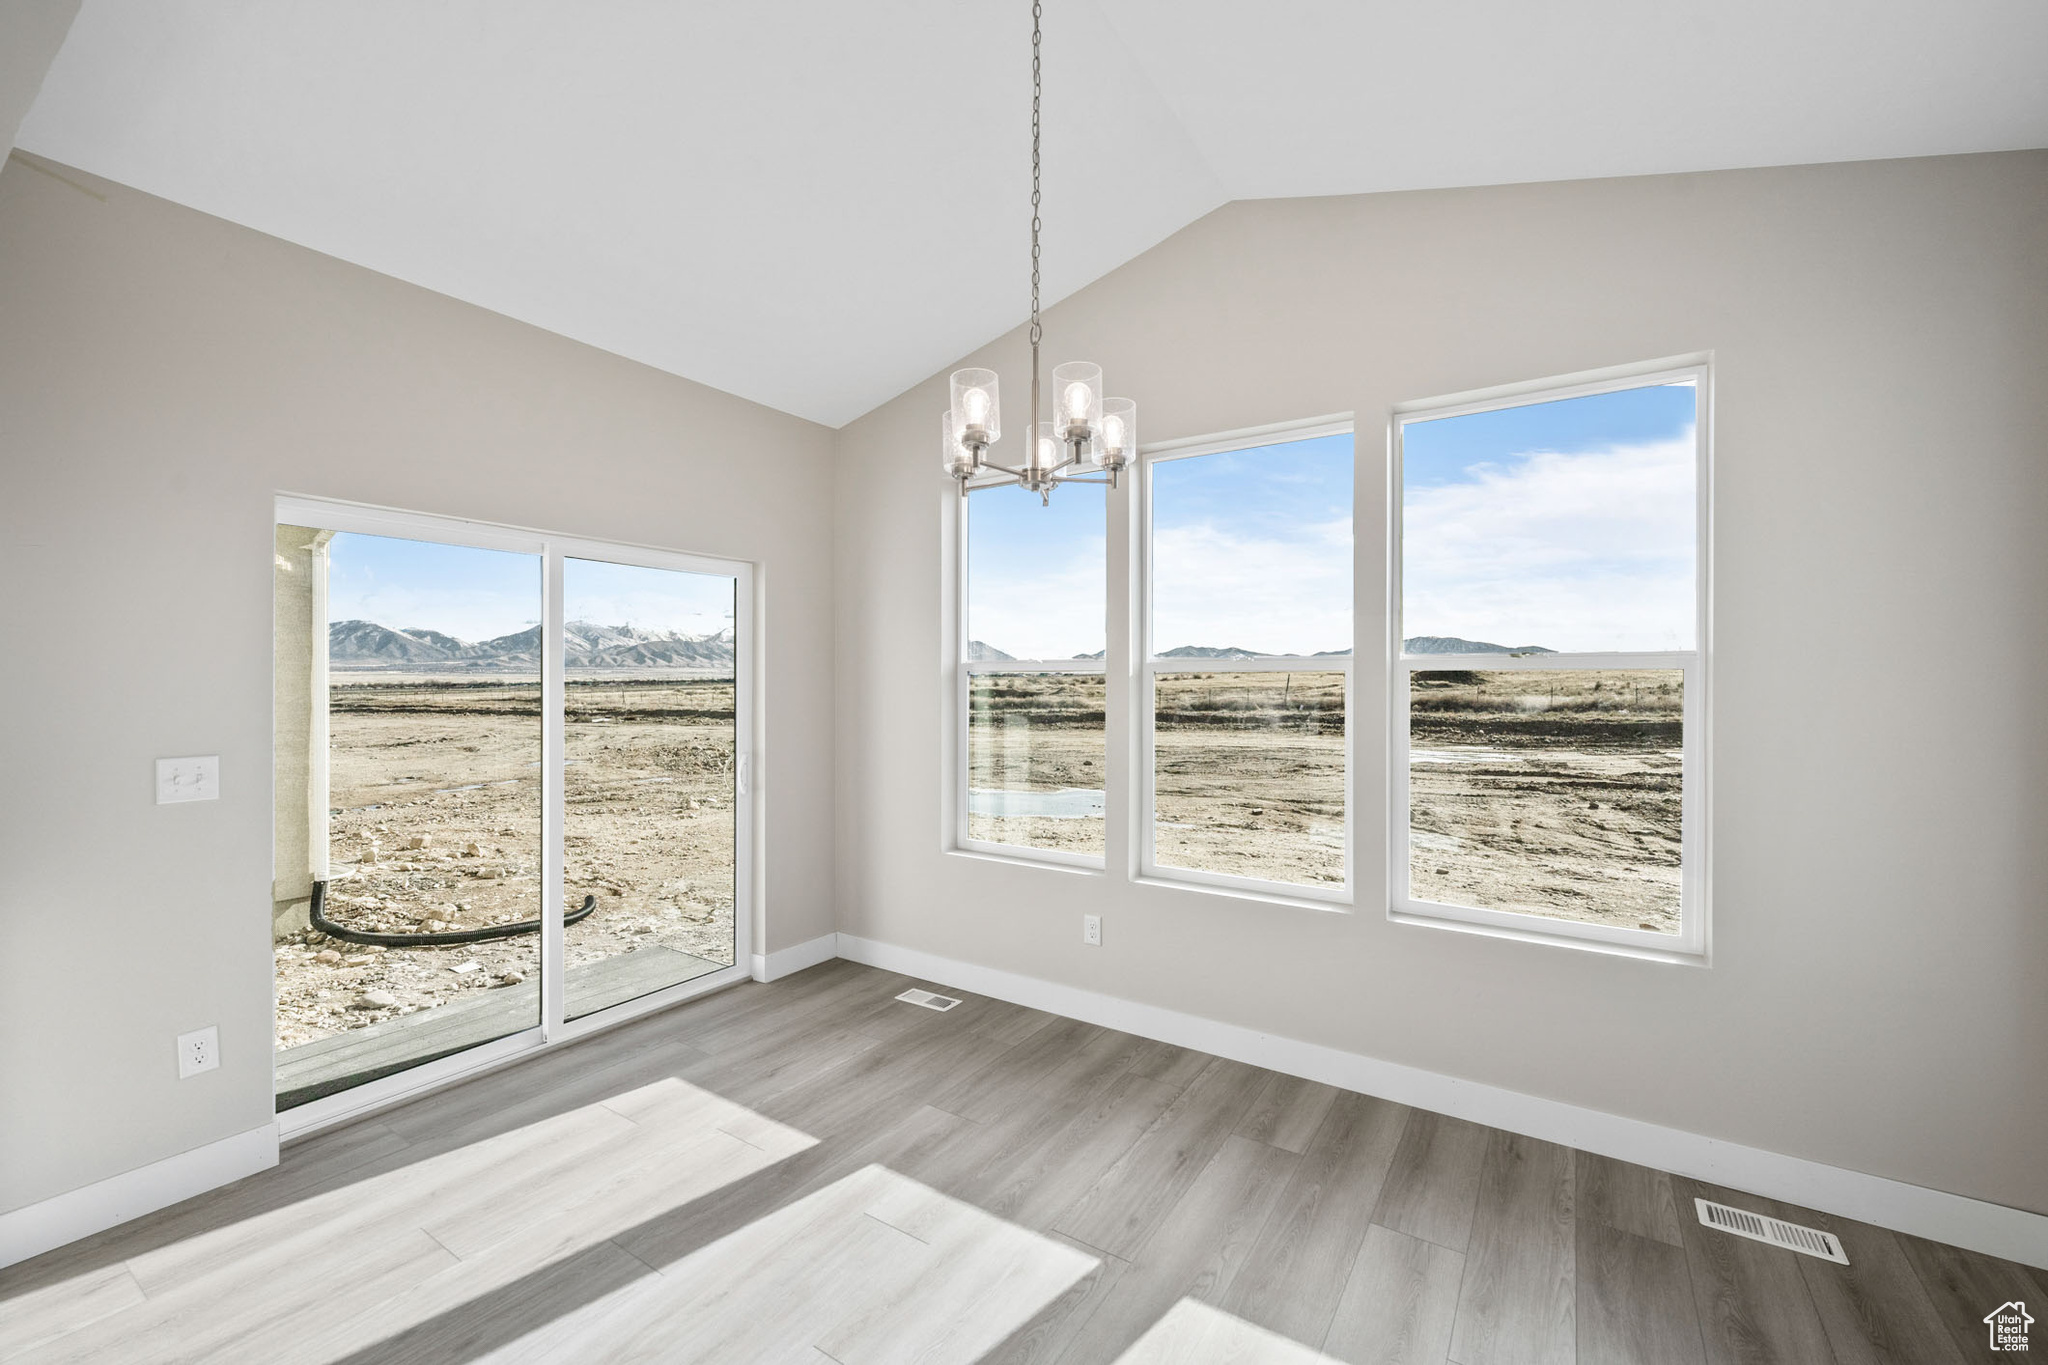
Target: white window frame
552	1029
1145	828
1692	944
965	670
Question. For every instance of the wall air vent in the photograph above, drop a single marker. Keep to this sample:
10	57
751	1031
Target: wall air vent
927	999
1757	1227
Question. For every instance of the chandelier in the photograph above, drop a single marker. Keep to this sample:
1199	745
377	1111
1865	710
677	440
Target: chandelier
1086	432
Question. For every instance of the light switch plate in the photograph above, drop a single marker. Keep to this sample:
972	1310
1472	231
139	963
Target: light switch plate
198	1051
188	779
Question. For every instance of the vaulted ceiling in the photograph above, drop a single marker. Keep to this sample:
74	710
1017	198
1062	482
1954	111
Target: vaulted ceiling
815	204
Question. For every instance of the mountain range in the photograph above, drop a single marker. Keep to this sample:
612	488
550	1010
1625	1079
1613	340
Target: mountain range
366	644
1417	644
1451	644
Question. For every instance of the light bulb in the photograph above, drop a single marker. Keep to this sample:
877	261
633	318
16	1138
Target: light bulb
976	403
1046	458
1119	443
1077	401
957	458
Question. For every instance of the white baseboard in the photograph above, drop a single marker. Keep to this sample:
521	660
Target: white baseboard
773	966
1993	1229
108	1203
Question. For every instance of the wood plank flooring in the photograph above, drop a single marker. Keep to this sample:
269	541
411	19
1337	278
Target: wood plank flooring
812	1172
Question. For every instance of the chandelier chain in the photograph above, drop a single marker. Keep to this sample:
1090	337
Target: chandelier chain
1089	431
1037	95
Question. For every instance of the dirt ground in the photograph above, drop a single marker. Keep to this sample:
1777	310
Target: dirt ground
1248	775
1036	734
1551	793
435	788
1249	768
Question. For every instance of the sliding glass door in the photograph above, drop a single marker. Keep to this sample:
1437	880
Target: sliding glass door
408	728
650	782
511	793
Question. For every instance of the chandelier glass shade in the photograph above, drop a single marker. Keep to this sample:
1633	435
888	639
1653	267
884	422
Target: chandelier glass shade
1078	433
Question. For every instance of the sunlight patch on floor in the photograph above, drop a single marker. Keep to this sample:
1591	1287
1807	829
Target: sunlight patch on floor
1193	1333
318	1279
874	1267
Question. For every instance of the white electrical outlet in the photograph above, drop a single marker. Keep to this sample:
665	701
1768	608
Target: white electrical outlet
198	1051
1091	930
188	779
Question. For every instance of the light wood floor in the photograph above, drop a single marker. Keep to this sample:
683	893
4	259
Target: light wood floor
810	1171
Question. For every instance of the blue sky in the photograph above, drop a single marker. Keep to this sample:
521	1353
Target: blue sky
1568	524
468	593
1565	524
1252	548
1036	575
1443	451
477	594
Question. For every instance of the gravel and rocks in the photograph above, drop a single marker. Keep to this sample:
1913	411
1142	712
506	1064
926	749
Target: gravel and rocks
435	791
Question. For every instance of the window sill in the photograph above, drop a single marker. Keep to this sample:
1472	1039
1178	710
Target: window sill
1018	857
1246	893
1672	957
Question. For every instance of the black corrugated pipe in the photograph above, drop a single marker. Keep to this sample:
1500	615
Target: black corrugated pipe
444	939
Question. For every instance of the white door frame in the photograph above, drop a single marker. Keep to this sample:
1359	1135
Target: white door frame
553	1029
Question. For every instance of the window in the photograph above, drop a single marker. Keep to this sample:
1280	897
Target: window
1031	674
1246	673
510	790
1548	690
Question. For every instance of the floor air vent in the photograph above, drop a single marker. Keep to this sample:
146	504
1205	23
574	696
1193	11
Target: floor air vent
928	1000
1757	1227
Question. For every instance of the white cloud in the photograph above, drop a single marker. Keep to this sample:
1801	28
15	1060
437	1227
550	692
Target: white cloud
654	609
1051	610
1587	551
1217	587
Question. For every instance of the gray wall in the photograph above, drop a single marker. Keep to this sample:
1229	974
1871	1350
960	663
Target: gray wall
1878	998
162	375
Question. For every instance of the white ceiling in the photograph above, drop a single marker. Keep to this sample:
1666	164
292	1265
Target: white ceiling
817	204
31	31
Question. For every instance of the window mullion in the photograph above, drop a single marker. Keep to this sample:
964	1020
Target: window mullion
553	746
